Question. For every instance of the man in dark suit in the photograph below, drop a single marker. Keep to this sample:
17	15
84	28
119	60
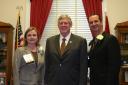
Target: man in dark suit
104	55
70	66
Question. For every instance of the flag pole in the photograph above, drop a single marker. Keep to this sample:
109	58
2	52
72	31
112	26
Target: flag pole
18	28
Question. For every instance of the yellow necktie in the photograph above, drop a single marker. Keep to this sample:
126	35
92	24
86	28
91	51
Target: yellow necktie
63	44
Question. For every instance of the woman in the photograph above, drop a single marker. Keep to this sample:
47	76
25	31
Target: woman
28	61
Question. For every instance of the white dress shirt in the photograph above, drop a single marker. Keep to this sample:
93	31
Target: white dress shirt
67	38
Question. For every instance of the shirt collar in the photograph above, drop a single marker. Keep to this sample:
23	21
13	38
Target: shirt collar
67	37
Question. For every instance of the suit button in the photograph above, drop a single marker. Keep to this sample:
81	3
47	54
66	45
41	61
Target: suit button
60	65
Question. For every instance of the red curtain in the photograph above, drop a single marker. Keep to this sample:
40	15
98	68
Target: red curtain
39	14
93	7
107	25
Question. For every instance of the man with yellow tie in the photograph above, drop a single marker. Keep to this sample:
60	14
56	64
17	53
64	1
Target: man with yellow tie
66	56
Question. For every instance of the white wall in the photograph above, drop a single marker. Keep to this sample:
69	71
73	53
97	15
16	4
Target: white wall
117	12
9	11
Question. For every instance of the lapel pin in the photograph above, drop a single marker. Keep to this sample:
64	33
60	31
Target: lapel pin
70	42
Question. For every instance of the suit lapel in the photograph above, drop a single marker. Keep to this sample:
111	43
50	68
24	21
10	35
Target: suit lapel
98	45
92	45
68	48
40	60
57	44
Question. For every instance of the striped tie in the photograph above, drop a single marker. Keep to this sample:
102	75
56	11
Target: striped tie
63	44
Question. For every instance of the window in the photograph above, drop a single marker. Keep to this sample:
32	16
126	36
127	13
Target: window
74	8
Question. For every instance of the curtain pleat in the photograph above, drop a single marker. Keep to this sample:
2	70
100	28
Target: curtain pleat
92	7
40	10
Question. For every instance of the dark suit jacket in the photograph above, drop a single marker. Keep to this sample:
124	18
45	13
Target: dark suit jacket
105	61
71	67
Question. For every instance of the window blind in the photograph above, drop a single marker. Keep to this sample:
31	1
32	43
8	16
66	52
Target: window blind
73	8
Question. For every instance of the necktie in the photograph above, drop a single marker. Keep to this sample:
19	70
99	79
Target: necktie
94	43
63	44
